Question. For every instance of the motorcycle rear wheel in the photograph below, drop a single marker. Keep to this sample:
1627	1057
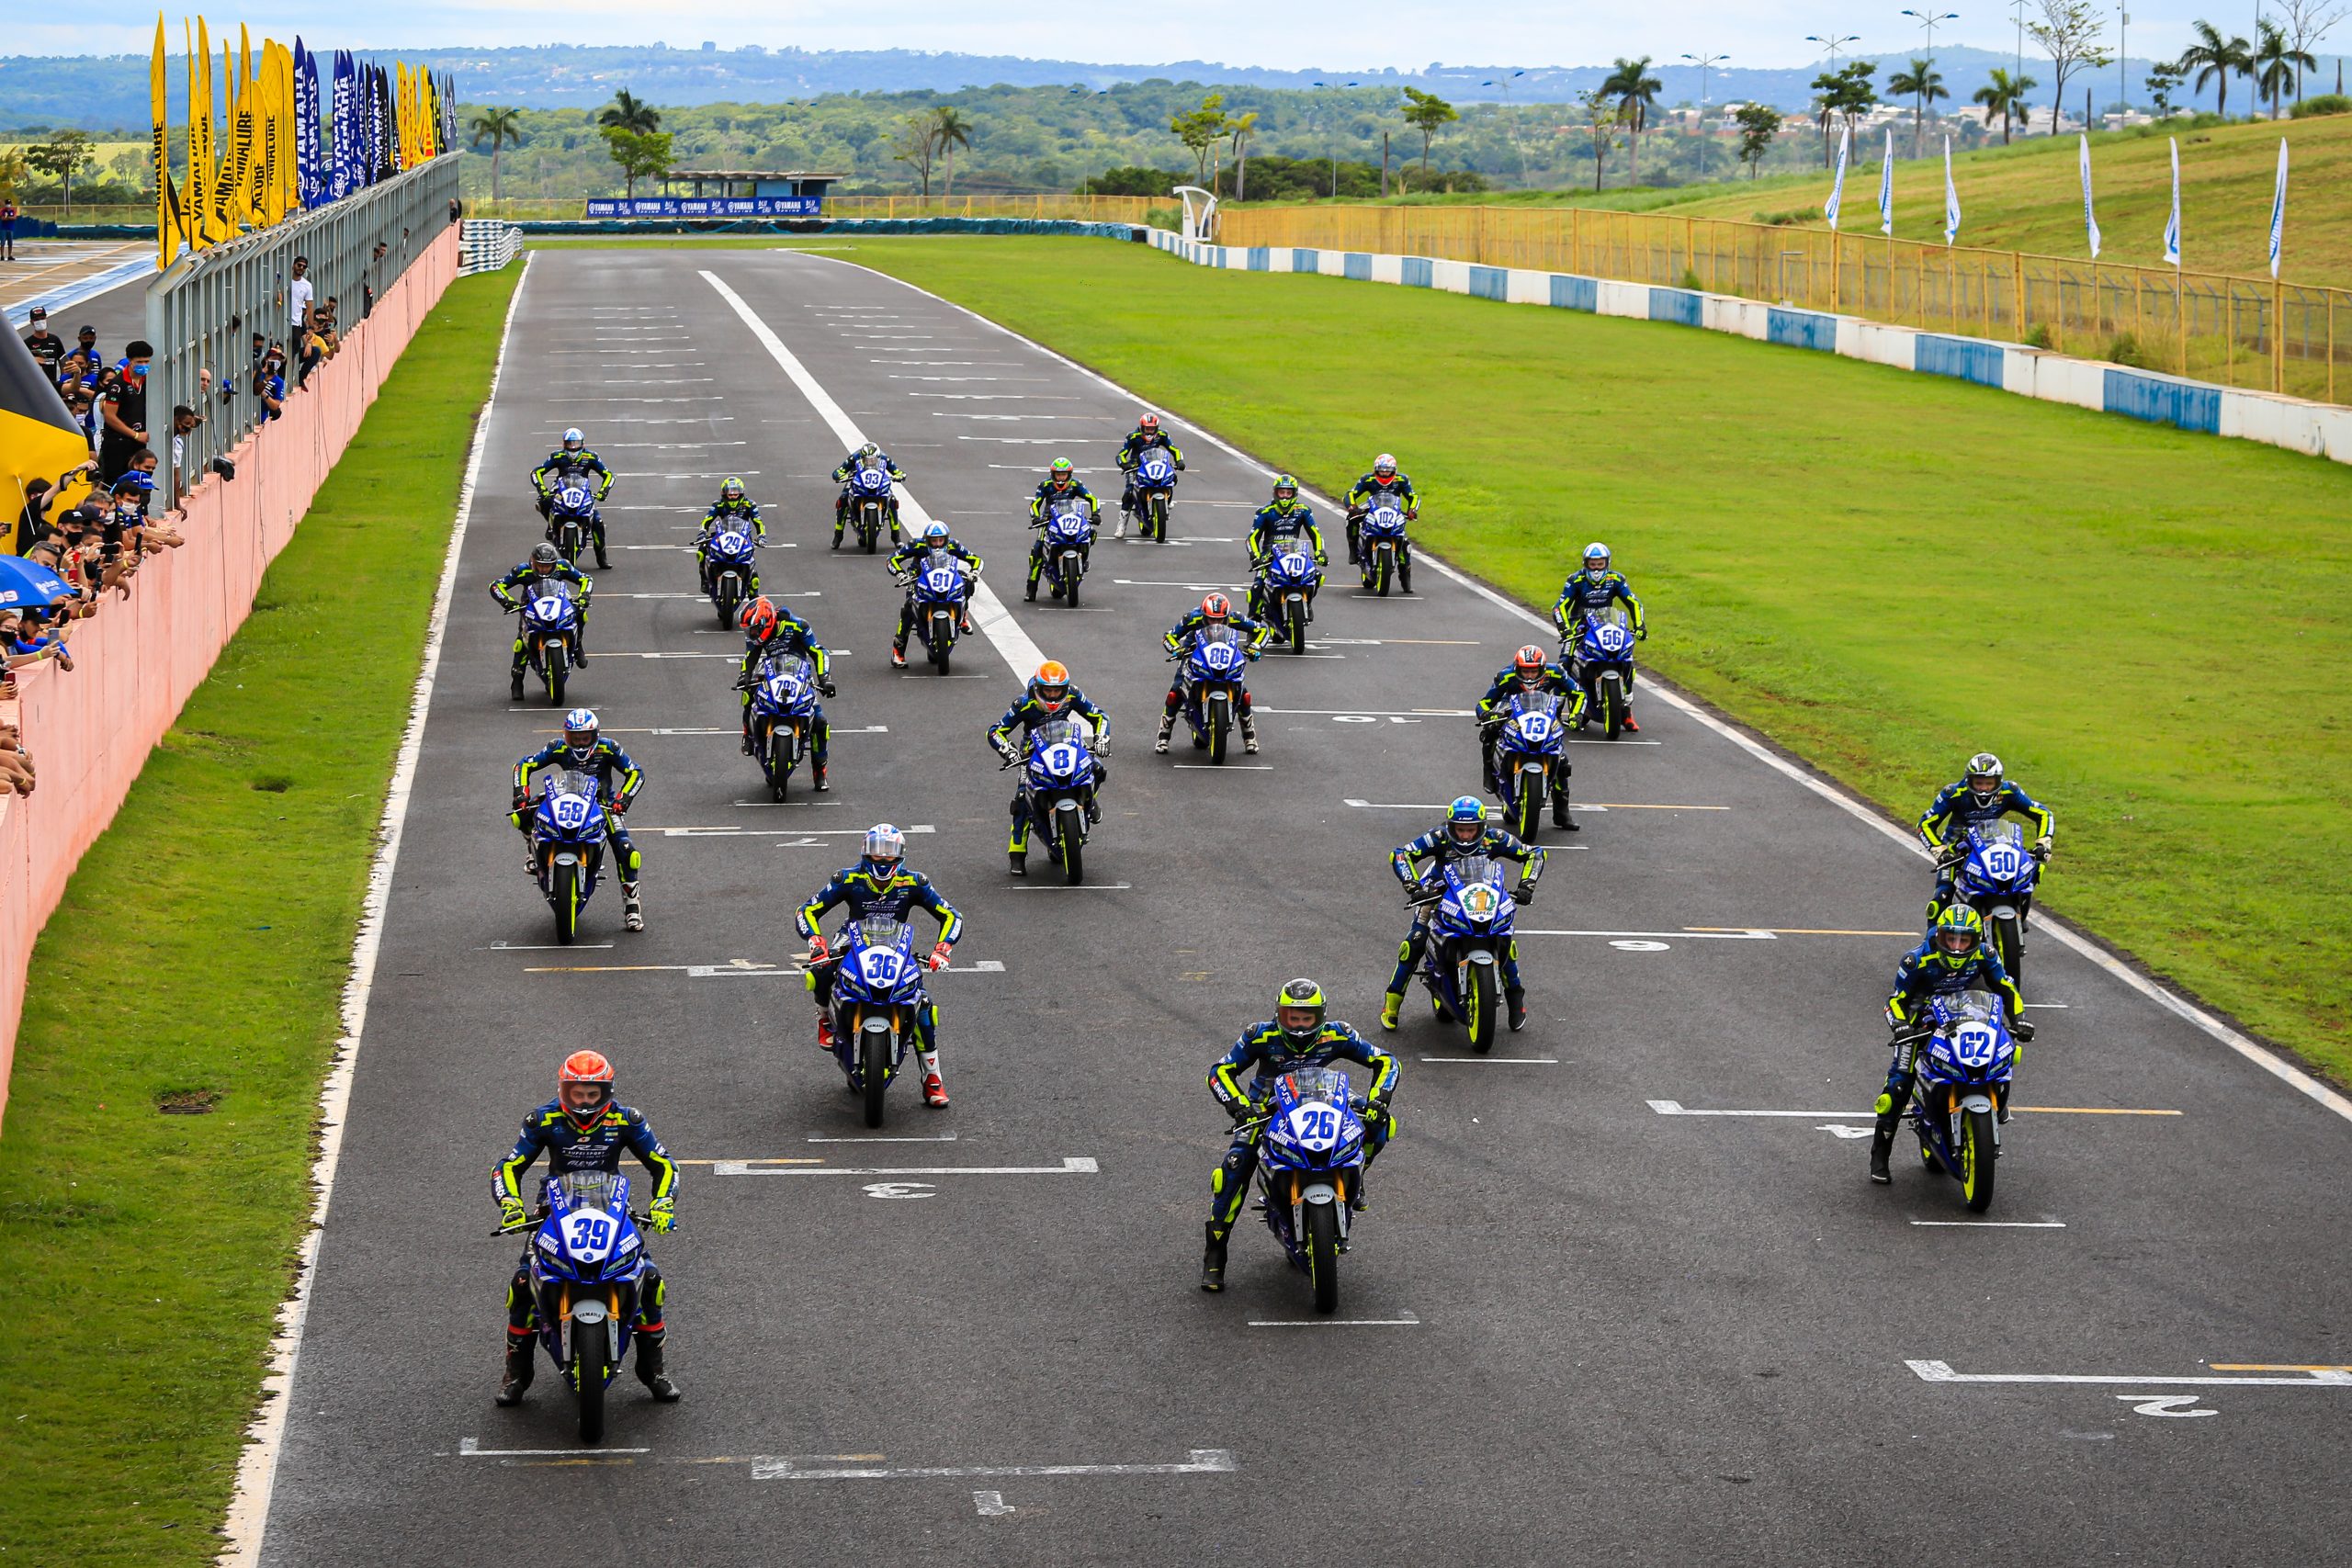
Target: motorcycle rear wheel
591	1351
1323	1255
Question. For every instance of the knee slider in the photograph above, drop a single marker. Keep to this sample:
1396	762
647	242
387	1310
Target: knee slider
1885	1102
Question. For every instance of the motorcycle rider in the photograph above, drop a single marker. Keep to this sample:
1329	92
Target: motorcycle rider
735	509
1296	1037
1529	671
879	884
850	465
1955	958
581	749
1383	483
1048	696
584	1128
1145	435
1981	798
1061	483
1465	833
573	457
1216	610
1591	589
902	566
546	563
770	629
1284	517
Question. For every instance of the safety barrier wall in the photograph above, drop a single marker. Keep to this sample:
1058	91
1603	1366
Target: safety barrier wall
90	730
2317	429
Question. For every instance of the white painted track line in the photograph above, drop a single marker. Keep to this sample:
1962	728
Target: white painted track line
248	1513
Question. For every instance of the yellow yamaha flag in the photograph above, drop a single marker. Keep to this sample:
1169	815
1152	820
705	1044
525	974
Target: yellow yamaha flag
271	185
39	440
241	188
167	205
204	230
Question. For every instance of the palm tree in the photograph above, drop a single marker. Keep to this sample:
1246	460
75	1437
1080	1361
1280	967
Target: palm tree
1240	128
1925	86
498	127
626	112
2216	58
1635	91
949	131
2004	96
2281	65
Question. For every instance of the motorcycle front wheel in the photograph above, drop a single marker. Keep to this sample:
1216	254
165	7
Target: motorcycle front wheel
1478	1004
591	1351
565	898
1977	1159
1323	1255
874	1068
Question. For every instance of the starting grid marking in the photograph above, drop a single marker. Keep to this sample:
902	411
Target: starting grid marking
1071	1165
1676	1108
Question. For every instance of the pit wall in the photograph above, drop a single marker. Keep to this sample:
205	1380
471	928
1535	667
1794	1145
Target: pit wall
2319	429
90	730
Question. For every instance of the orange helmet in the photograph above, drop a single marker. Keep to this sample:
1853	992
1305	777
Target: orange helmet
1215	607
1528	663
587	1067
758	618
1148	423
1050	685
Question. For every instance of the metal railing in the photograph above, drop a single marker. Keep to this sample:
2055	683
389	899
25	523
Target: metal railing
1084	209
203	314
2238	332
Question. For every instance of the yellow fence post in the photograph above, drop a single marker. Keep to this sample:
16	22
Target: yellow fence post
2277	336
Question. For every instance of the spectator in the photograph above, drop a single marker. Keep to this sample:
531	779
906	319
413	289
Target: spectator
298	295
183	422
122	411
80	402
155	534
63	553
269	383
8	229
32	522
87	340
373	275
15	762
46	345
27	640
456	210
322	330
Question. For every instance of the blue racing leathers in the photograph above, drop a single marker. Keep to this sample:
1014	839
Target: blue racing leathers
617	781
1925	974
1440	848
620	1130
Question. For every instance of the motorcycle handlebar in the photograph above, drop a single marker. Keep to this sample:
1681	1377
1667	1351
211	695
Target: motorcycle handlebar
640	1220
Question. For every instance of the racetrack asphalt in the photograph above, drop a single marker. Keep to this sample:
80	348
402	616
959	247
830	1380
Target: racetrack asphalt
1575	1326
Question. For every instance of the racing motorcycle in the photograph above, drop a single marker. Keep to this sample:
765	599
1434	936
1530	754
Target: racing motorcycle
1966	1059
1530	762
872	503
783	716
1057	777
1210	676
568	846
1310	1160
1470	932
940	590
1155	484
586	1261
1284	594
1601	656
1069	536
570	514
550	629
877	992
1383	548
728	570
1997	874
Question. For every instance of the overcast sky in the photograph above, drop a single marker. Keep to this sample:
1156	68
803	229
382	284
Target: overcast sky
1293	34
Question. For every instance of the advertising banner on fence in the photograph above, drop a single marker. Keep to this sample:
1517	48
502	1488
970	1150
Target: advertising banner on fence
707	206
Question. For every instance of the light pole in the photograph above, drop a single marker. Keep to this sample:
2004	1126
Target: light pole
1703	61
1504	83
1927	20
1332	127
2122	48
1834	43
2018	6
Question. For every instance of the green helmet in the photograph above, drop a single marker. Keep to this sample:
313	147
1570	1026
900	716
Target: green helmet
1301	995
1286	487
1959	932
1061	473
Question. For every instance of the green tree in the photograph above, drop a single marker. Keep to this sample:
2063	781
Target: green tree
2216	58
917	145
63	155
641	154
1239	129
497	127
1199	131
2160	83
2278	64
950	130
2005	96
1923	84
2069	34
1759	124
1636	91
627	113
12	170
1600	107
1428	114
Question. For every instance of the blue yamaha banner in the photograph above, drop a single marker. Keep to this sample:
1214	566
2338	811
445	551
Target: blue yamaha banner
707	206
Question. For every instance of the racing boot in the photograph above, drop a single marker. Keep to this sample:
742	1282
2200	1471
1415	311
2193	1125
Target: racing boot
632	907
934	1092
747	737
522	1361
964	623
1561	819
1093	810
1020	859
649	1369
1167	729
1883	1145
899	654
604	563
1631	727
817	773
1213	1260
515	684
1516	1001
1029	592
825	1032
1248	735
1126	509
1390	1006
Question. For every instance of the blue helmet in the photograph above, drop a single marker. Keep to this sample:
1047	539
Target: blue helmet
885	847
580	731
1467	811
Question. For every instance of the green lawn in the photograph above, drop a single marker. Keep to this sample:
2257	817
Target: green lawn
202	949
1882	570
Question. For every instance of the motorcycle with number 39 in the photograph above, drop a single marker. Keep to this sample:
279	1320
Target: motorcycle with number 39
1310	1160
586	1261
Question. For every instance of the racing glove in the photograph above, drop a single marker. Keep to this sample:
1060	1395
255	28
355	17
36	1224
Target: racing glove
2023	1030
663	1217
825	689
938	956
2042	848
1376	1113
511	1213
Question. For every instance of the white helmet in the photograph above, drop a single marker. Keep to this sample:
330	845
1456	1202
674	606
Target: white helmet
572	438
1596	559
884	843
1384	464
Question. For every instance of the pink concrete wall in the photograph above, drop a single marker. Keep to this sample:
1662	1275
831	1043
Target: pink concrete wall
90	730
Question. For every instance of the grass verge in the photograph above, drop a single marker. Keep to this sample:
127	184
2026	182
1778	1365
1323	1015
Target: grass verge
199	958
1883	571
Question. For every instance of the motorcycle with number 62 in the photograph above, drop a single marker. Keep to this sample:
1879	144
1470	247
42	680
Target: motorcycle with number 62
1965	1059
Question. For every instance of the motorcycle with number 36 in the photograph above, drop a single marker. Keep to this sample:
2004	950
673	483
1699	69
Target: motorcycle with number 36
878	991
585	1263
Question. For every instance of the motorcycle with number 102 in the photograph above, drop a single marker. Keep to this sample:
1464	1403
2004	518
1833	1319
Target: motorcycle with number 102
1964	1059
1069	537
586	1264
1310	1161
1471	918
1386	555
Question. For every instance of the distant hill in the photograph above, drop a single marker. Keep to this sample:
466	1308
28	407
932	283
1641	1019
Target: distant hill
110	91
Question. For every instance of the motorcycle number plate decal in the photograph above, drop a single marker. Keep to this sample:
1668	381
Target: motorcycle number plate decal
547	609
589	1235
880	969
1314	1126
1973	1045
1479	901
731	543
570	812
1061	760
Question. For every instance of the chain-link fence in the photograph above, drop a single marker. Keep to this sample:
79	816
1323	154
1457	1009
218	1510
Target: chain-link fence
2240	332
206	313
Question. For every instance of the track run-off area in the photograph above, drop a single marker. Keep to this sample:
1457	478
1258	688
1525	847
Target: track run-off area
1624	1293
